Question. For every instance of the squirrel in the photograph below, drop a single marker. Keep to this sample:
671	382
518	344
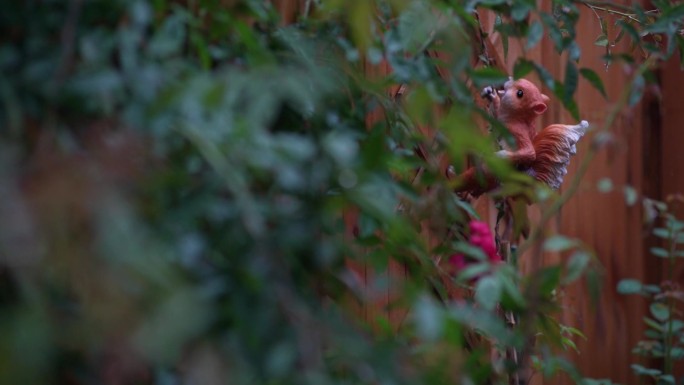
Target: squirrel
544	155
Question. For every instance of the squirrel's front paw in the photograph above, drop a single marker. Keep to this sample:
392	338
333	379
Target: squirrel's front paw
489	93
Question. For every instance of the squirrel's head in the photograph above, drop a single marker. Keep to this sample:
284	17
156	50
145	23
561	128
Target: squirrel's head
521	100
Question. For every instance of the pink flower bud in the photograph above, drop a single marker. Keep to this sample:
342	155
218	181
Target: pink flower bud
481	237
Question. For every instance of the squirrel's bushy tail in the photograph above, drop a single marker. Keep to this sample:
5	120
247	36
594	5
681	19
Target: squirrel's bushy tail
553	147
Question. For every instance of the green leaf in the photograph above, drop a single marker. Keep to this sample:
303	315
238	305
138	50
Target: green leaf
491	2
574	331
640	370
466	207
487	76
653	324
594	79
568	343
631	195
569	103
554	32
675	224
666	378
559	243
172	323
473	271
627	27
679	238
590	381
522	67
469	250
202	49
637	90
571	78
511	296
520	10
677	353
662	233
572	108
680	44
534	34
485	321
548	279
605	185
429	318
574	51
667	18
629	286
544	75
604	26
488	292
576	266
660	311
660	252
601	41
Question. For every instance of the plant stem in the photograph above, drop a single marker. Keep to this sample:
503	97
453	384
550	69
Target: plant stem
611	4
667	364
612	11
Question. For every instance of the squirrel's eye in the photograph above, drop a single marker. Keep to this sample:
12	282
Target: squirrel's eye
520	93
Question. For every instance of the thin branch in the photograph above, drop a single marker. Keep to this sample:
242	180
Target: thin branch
481	39
611	4
630	16
593	9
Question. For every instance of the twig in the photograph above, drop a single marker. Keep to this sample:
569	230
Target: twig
612	11
481	39
612	4
593	9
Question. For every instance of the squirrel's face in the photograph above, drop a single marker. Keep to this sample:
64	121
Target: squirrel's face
522	99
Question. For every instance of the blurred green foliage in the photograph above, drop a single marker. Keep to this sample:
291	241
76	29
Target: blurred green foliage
174	177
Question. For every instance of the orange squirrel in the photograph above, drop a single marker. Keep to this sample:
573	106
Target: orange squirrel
544	155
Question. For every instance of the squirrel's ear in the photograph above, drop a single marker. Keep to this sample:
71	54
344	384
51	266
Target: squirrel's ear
539	108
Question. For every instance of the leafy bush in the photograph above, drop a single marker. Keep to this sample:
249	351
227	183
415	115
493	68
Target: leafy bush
188	187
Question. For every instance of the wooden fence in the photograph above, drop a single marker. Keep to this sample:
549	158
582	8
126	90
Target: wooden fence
644	154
